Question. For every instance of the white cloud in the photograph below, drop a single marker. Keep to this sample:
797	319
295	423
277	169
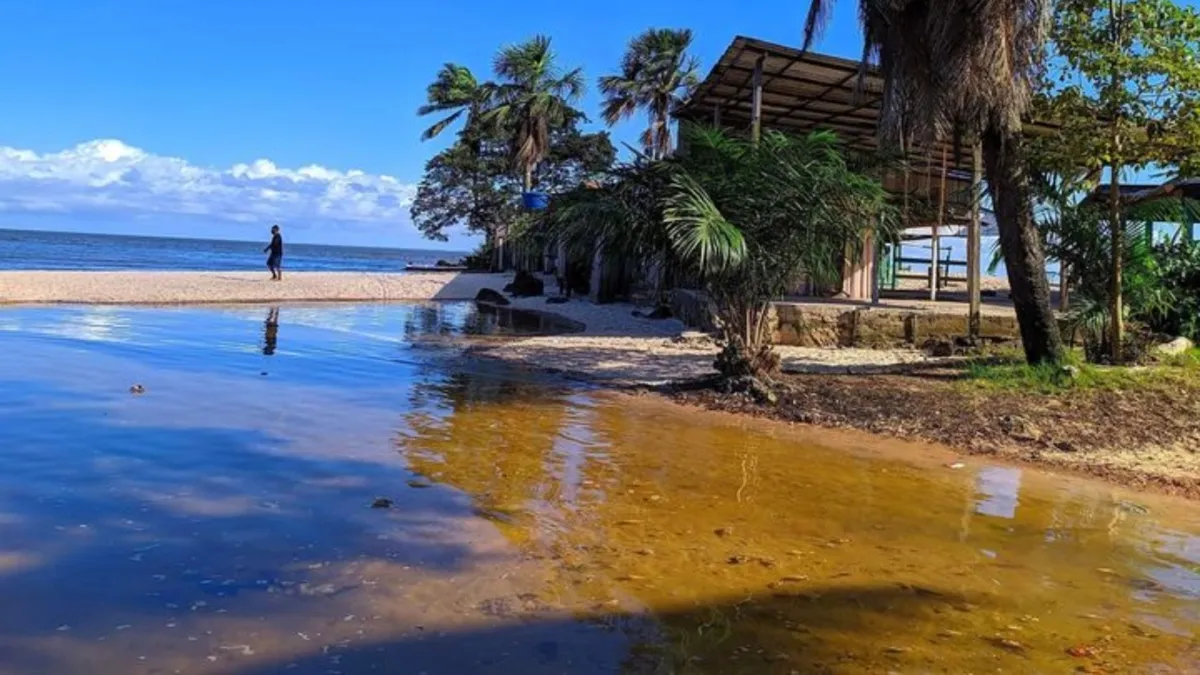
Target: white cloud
109	177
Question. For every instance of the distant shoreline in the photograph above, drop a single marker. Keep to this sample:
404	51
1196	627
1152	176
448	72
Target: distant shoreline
219	240
198	288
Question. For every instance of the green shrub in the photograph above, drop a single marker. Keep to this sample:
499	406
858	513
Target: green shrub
1178	273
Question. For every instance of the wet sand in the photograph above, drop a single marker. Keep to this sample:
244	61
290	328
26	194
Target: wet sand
166	288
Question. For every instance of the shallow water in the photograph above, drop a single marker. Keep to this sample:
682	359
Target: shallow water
220	522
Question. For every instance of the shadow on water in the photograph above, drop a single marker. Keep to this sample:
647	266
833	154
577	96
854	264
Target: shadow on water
772	633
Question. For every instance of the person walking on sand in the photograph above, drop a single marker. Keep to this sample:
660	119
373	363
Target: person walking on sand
275	260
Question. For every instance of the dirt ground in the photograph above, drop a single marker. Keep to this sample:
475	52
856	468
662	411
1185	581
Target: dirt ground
1147	438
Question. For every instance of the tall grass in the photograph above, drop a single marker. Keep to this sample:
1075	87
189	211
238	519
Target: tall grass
1182	370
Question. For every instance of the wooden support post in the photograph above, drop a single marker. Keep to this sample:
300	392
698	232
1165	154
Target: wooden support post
935	240
756	102
876	253
974	244
717	116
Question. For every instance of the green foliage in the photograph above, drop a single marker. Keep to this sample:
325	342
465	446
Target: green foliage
481	258
472	183
457	92
466	185
657	74
1081	377
532	99
747	219
1160	283
1125	83
1178	275
1125	86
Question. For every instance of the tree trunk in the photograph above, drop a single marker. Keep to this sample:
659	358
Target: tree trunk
1116	301
1021	245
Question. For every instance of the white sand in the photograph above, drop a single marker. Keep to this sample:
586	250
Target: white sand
618	348
615	347
130	288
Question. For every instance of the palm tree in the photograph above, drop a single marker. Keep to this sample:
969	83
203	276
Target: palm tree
969	64
739	216
656	75
533	98
744	215
455	90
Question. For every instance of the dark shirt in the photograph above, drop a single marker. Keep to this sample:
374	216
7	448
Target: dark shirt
276	246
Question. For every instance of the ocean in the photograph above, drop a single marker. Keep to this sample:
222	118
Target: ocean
30	250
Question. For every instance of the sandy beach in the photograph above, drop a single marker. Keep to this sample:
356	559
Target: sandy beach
615	346
618	348
171	288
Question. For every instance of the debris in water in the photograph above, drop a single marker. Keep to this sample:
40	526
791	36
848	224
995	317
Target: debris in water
382	503
419	484
956	465
723	531
1082	652
1005	643
137	389
1133	507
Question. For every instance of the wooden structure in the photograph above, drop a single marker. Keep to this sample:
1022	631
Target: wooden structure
758	84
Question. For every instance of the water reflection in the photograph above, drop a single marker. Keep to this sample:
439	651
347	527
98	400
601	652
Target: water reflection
536	527
271	332
998	490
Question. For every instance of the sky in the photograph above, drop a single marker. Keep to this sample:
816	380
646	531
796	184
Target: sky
214	119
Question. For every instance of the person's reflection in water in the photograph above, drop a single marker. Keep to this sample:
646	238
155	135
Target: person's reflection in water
271	331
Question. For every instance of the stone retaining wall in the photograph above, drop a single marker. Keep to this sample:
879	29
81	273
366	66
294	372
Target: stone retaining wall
808	326
804	325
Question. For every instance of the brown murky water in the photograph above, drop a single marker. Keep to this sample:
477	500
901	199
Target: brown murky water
221	522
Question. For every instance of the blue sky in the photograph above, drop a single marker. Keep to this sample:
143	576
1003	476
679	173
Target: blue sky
174	102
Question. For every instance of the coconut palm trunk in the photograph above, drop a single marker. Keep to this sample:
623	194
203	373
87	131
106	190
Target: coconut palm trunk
1116	307
1021	245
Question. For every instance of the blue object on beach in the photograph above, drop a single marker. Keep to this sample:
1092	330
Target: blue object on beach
536	201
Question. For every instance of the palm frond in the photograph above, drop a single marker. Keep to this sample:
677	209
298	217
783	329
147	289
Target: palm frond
655	73
441	125
697	229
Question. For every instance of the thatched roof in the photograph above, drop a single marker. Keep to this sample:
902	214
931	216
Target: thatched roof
804	91
1188	188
